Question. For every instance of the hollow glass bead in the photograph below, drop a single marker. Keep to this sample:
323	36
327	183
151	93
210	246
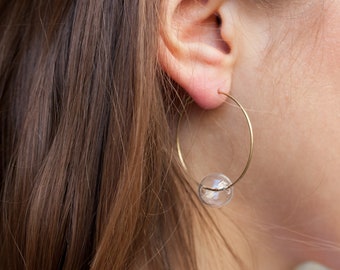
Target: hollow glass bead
214	191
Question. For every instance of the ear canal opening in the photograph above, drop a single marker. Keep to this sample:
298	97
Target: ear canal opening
218	19
220	43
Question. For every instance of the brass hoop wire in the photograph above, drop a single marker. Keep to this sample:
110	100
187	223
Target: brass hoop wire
251	143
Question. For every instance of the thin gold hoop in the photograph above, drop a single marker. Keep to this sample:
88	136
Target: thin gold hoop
219	182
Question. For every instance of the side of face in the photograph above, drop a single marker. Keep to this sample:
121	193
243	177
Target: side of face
289	77
282	63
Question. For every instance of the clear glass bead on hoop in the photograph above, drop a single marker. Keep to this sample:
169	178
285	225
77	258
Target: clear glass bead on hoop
216	189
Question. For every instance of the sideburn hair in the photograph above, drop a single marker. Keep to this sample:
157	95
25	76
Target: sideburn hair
88	178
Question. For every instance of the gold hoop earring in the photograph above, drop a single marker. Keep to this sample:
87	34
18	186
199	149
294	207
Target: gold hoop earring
216	190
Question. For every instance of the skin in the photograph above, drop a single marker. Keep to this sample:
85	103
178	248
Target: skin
286	74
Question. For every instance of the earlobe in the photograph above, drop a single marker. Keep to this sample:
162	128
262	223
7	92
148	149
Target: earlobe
197	48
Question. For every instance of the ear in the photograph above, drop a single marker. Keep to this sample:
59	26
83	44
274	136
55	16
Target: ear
198	48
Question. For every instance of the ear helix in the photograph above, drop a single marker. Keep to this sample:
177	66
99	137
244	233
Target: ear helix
216	190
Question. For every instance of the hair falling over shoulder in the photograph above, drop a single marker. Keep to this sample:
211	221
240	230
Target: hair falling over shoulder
88	180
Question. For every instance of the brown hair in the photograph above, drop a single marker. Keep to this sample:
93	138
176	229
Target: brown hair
88	179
